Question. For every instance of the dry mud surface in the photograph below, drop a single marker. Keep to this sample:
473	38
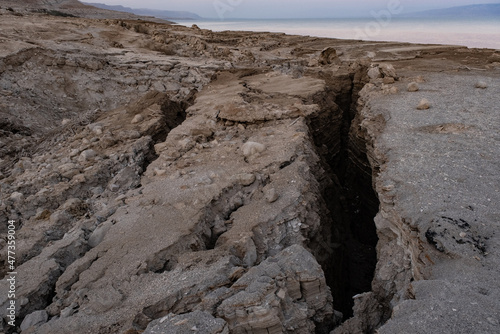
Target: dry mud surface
165	179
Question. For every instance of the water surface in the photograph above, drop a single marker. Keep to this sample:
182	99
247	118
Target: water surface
474	33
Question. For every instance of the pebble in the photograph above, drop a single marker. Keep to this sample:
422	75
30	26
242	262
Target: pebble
252	148
481	84
97	130
160	172
16	196
271	195
246	179
413	87
424	104
388	70
88	154
281	294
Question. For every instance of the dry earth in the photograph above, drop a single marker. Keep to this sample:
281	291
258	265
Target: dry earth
165	179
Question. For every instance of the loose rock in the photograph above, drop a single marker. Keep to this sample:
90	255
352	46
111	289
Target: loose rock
481	84
252	148
246	179
424	104
87	155
271	195
413	87
16	196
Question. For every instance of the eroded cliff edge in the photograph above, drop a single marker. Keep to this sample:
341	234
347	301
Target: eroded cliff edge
171	179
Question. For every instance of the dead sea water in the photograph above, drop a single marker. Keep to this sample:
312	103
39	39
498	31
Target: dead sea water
474	33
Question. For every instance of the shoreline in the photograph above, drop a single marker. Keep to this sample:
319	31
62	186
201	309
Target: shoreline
402	30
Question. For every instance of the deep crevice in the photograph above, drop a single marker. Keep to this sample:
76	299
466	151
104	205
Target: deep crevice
348	193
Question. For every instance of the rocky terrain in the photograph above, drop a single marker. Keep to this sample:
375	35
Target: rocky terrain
70	8
165	179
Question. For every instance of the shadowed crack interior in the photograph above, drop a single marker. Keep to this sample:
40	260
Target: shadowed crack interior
348	252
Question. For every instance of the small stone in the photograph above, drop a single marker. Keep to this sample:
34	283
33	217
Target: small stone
252	148
107	141
463	235
246	179
420	79
374	73
388	70
424	105
241	127
413	87
97	130
65	121
389	80
33	319
87	155
271	195
481	84
16	196
137	119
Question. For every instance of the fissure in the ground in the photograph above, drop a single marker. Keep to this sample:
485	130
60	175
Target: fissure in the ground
349	197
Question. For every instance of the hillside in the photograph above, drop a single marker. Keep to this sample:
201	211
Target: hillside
73	7
163	14
471	11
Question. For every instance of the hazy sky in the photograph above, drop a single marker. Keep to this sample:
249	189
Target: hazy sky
288	8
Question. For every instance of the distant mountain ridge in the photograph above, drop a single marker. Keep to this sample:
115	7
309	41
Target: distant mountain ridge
470	11
162	14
